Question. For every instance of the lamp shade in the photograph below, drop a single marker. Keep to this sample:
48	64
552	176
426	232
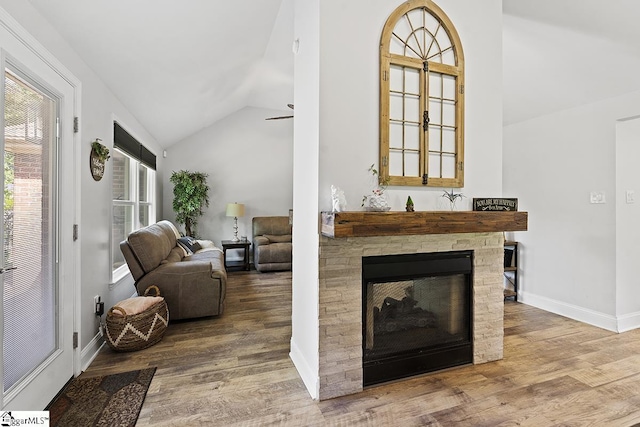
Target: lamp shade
235	209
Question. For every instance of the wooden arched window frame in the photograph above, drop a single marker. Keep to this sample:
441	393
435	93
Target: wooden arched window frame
421	98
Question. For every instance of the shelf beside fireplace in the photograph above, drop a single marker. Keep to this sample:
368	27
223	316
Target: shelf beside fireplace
368	224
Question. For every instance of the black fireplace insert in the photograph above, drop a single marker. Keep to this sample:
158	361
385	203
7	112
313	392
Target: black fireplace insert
416	314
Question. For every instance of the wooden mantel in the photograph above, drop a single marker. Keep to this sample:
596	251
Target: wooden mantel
367	224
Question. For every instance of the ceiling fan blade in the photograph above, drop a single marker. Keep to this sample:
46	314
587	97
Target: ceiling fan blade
282	117
279	117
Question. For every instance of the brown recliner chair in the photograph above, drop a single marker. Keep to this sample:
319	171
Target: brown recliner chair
272	247
192	284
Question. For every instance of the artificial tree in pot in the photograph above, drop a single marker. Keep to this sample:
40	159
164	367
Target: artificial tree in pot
190	196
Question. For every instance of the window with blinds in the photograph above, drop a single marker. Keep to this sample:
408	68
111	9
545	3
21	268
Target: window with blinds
133	184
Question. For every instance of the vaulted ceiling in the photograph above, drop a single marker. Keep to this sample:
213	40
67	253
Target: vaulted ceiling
558	54
181	66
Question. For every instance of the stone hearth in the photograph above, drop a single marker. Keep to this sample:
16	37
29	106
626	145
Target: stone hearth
341	298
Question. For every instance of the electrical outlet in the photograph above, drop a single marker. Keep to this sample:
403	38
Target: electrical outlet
98	305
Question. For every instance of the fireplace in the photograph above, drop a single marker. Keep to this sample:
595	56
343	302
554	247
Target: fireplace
416	314
348	238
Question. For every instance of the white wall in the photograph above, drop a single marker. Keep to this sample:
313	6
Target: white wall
98	105
305	296
350	39
627	148
248	159
348	73
568	256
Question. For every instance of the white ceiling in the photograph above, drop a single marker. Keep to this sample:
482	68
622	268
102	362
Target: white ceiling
181	66
558	54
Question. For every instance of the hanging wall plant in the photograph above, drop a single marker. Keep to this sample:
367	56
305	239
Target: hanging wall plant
97	159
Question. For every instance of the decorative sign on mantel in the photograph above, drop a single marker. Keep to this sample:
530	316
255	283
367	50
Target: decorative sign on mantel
495	204
97	159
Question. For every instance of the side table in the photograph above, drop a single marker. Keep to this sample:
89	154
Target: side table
230	244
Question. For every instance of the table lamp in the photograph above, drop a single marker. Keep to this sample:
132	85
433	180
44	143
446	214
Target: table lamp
235	210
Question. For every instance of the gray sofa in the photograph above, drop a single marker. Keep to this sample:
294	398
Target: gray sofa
193	284
272	247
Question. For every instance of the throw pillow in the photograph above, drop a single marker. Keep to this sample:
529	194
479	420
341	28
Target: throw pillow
284	238
190	244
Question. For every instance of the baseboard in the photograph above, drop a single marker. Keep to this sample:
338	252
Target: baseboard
628	322
309	378
580	314
91	350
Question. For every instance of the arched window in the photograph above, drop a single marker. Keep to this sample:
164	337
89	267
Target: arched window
421	98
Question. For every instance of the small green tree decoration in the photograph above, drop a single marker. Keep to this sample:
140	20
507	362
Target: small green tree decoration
190	196
409	206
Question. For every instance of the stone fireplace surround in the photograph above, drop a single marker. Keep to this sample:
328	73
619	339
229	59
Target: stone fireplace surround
340	288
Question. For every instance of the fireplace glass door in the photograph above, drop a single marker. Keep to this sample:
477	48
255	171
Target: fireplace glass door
416	314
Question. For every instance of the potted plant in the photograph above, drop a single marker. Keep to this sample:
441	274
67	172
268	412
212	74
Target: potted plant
377	200
190	196
452	198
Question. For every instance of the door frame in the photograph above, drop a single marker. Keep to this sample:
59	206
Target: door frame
22	36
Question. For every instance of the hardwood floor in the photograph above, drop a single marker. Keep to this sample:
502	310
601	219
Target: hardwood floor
235	370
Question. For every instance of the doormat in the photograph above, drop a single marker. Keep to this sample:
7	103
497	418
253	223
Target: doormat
109	400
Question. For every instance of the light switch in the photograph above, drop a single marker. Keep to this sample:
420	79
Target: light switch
598	197
631	196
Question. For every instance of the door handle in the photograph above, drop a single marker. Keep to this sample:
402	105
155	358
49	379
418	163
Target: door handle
2	270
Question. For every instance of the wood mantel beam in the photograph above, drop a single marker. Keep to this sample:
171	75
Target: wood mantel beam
367	224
